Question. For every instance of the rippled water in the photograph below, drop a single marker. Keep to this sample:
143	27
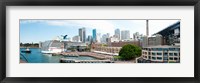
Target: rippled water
37	57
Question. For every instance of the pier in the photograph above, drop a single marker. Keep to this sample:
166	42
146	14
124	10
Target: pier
95	55
64	60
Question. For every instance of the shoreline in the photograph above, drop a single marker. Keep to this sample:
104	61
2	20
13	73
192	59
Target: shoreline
29	47
22	61
91	54
95	55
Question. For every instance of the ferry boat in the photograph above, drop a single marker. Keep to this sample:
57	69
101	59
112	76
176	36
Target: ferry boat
26	51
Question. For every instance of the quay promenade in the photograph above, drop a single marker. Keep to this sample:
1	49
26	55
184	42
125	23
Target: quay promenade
103	58
21	61
92	54
64	60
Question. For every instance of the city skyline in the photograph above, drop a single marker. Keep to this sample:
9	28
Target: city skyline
41	30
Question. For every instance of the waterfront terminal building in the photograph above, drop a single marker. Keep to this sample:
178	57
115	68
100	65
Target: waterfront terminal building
163	48
160	54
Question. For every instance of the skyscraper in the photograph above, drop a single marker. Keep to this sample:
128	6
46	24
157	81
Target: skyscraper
89	39
94	35
76	38
105	37
136	36
98	37
125	34
82	34
117	33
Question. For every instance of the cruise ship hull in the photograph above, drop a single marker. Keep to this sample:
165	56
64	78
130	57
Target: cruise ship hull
48	52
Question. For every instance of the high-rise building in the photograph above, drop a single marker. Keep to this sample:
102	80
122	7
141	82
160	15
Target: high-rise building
136	36
76	38
94	35
113	39
154	41
98	37
117	33
82	34
89	39
125	34
108	35
159	40
171	34
105	38
144	41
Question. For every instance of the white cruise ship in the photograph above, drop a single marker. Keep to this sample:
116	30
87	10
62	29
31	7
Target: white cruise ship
52	46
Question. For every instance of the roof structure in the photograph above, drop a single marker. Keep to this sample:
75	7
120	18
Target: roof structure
169	30
162	46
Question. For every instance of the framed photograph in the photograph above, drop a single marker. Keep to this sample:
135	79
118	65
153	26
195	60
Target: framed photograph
100	41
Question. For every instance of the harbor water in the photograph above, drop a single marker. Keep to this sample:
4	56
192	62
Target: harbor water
37	57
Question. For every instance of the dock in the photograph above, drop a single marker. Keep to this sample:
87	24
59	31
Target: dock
91	54
64	60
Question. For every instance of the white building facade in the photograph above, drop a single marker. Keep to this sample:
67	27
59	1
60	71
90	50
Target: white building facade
125	34
162	54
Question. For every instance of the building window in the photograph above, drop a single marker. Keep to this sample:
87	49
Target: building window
177	49
165	54
153	53
149	53
165	58
159	49
175	58
171	49
170	58
170	54
175	54
165	49
149	57
154	49
153	58
159	58
159	53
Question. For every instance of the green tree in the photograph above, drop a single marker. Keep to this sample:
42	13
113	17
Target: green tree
130	51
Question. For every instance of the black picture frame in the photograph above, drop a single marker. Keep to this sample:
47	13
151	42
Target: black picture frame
4	3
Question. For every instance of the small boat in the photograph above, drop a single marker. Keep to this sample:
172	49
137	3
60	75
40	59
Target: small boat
26	51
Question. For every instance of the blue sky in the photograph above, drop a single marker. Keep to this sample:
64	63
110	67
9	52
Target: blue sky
41	30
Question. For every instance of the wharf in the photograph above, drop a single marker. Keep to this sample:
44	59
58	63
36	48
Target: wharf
64	60
91	54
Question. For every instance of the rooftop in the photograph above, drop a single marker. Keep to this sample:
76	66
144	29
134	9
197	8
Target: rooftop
162	46
166	30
